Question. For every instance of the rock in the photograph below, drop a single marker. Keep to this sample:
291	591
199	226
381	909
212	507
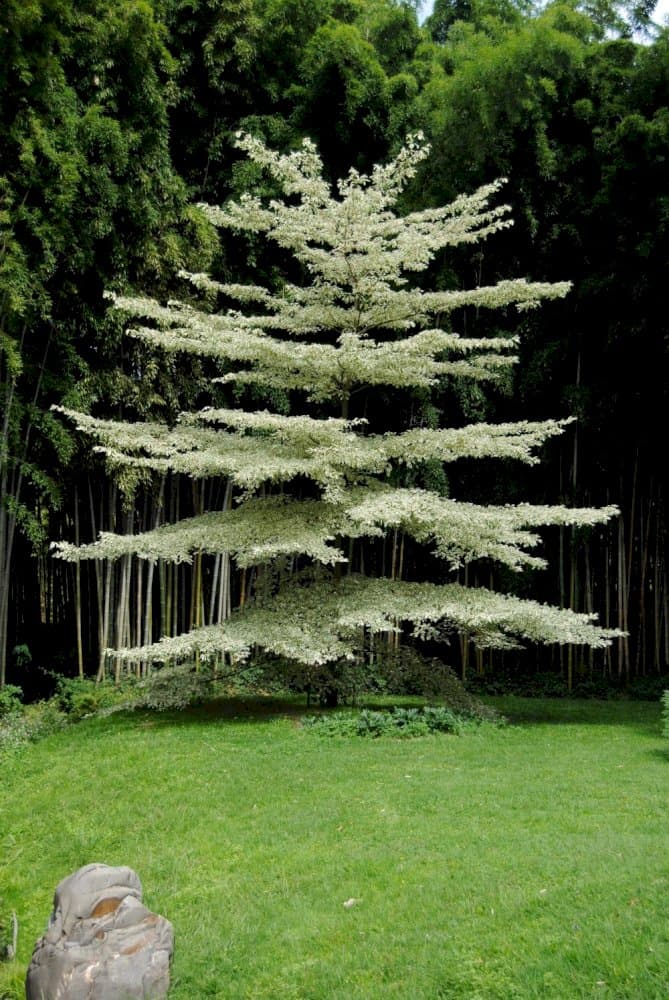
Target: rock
102	943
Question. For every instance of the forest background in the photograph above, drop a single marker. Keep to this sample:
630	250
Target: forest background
118	116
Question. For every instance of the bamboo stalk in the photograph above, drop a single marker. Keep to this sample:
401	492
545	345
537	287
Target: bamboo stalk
98	569
122	615
561	550
623	650
77	587
657	600
588	601
607	599
644	532
215	586
140	604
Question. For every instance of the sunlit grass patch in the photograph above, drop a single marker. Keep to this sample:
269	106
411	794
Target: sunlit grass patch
526	861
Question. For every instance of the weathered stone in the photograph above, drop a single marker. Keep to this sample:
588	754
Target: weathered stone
102	943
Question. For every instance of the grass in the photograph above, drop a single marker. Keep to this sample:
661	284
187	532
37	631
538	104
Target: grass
523	862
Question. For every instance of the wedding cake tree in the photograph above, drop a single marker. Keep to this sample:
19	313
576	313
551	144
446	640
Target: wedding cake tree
307	483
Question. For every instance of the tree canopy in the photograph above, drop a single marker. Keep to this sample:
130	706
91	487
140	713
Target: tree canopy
357	320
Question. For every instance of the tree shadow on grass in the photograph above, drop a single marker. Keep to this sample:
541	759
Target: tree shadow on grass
247	709
660	753
238	710
641	715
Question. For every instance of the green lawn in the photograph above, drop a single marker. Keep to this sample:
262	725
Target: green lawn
531	861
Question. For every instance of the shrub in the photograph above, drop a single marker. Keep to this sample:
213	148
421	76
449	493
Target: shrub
536	685
10	701
75	698
331	683
173	688
546	684
401	723
406	671
32	723
395	672
79	697
665	714
648	688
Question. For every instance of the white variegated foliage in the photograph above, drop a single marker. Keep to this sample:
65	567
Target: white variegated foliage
357	321
323	621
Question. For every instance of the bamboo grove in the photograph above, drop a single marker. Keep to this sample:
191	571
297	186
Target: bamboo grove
119	118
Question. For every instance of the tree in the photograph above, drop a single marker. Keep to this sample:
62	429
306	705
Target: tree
481	13
320	492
